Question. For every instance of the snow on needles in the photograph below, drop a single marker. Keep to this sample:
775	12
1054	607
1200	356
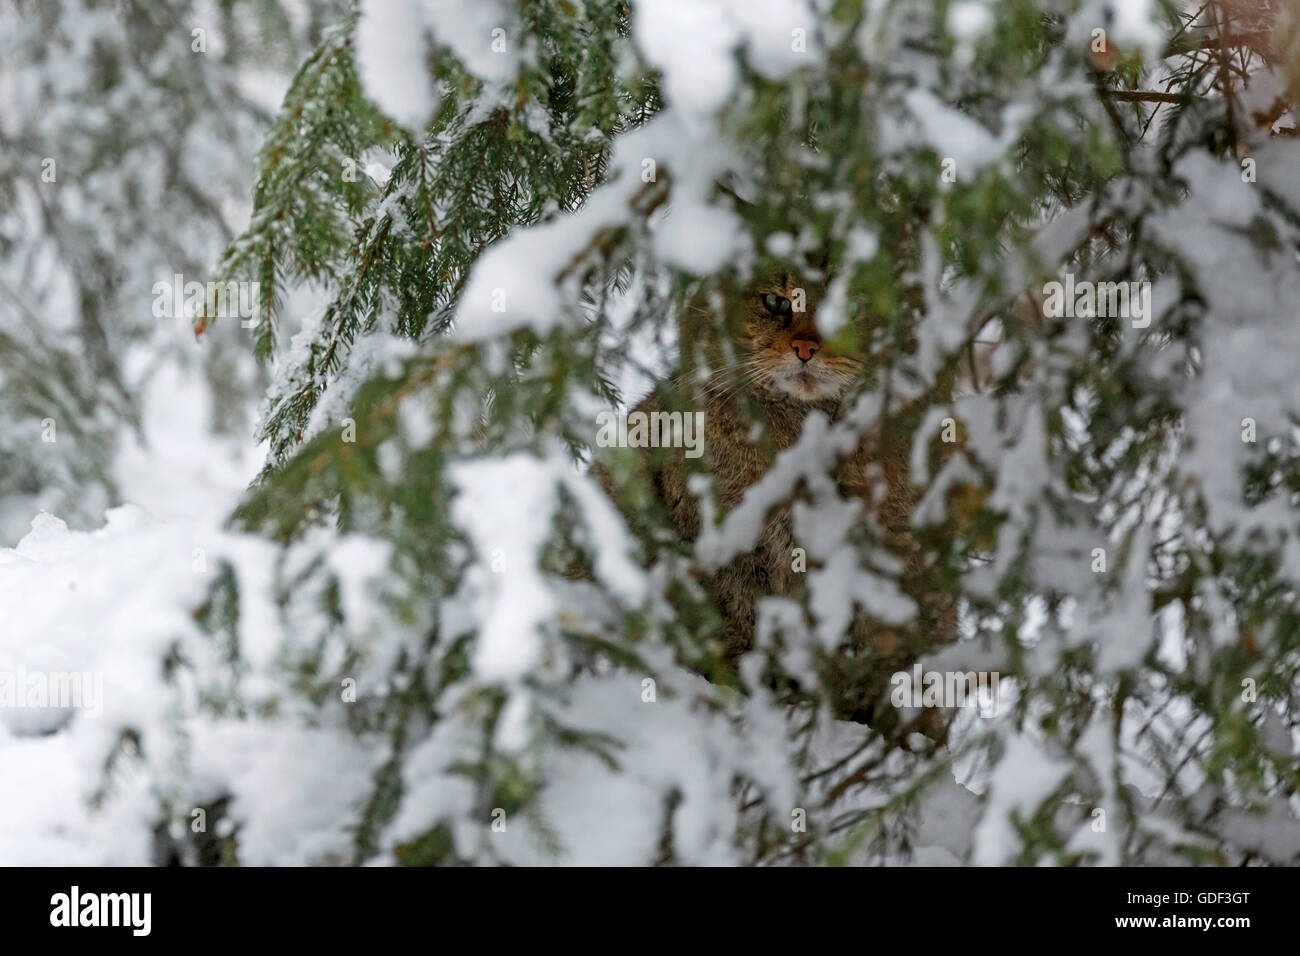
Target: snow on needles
391	53
507	506
394	39
694	42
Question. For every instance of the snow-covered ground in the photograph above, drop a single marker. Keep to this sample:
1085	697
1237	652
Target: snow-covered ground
102	606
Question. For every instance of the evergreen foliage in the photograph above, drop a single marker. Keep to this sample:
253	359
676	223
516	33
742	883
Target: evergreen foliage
561	205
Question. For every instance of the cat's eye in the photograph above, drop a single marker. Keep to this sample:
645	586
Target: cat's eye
777	305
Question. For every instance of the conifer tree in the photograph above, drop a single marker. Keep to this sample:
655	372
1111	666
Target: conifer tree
124	142
1063	235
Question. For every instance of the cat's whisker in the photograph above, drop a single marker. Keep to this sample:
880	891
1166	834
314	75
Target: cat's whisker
722	379
717	376
725	387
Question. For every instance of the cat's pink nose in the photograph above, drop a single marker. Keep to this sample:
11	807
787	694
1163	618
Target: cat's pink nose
804	348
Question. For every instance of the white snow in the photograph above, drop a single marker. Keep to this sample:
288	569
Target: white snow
116	601
392	49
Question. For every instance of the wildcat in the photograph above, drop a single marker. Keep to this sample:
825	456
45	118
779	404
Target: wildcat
787	371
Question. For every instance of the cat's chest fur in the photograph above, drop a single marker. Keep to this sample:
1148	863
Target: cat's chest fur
741	444
739	455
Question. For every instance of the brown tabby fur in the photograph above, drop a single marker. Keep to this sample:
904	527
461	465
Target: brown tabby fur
876	474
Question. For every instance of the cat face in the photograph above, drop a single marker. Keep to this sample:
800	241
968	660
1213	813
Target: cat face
788	356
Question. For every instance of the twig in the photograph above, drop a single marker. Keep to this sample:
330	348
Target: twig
1142	96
